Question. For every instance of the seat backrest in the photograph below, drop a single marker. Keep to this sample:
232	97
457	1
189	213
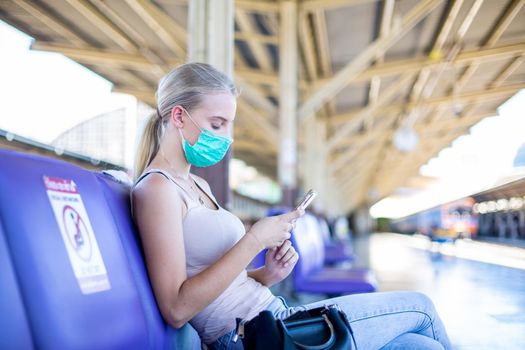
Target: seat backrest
308	242
14	326
324	229
73	252
118	199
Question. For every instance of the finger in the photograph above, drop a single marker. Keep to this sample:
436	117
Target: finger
275	250
283	249
293	215
293	260
287	257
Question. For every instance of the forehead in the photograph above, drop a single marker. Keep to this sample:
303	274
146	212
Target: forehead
220	104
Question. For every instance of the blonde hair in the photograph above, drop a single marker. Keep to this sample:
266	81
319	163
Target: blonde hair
185	85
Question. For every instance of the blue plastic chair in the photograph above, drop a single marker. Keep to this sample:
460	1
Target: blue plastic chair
42	303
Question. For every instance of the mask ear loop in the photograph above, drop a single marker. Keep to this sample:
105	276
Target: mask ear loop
192	120
182	139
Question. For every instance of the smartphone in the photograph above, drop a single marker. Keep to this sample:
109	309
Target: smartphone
308	198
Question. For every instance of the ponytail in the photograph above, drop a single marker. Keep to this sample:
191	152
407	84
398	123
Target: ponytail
149	144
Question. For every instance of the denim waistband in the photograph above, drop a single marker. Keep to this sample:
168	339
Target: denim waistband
277	305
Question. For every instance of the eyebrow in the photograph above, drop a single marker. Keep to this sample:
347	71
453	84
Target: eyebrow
218	117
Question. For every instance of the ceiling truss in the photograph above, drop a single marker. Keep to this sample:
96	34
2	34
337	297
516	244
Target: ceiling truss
135	42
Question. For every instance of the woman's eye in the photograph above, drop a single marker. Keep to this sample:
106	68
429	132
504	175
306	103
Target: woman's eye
215	127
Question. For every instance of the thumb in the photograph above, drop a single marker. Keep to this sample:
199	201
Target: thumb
293	215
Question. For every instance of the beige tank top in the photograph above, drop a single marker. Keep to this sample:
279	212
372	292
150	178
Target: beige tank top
208	235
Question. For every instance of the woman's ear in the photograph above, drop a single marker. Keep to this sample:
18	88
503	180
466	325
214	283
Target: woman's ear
177	113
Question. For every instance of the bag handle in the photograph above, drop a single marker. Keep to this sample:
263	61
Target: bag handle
326	345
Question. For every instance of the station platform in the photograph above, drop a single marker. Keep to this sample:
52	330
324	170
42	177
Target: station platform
478	288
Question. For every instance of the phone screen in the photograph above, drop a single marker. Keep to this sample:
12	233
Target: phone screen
308	198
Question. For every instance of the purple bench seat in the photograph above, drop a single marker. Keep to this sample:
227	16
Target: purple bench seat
310	275
46	252
335	252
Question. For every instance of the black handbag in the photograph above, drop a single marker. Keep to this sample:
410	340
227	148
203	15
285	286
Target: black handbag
321	328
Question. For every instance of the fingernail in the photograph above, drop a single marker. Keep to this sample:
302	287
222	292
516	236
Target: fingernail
285	265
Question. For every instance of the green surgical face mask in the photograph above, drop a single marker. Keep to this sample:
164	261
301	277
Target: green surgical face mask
209	148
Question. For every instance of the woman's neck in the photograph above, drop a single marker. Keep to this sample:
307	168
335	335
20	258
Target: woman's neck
171	157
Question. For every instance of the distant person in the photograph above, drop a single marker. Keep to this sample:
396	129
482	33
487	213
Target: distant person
197	252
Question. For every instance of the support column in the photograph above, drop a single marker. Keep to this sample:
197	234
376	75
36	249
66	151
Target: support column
210	33
288	61
315	163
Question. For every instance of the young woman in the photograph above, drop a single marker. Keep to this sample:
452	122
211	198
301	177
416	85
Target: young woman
197	252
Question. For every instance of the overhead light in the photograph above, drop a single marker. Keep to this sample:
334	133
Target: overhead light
457	108
406	139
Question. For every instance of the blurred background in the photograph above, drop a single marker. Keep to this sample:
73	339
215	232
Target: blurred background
407	117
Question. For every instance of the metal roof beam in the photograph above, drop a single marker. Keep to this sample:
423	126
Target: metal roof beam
257	38
368	112
323	51
255	76
255	96
133	34
312	5
387	12
247	26
270	131
106	26
465	98
379	136
169	32
94	56
341	79
508	15
258	6
306	39
50	21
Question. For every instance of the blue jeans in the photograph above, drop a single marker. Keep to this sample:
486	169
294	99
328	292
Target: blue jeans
386	321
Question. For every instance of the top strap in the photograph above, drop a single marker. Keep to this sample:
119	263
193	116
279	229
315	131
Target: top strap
167	176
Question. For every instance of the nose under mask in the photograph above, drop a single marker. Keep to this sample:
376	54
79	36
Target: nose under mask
209	148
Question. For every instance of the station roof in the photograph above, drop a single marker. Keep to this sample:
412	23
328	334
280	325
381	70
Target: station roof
367	68
514	188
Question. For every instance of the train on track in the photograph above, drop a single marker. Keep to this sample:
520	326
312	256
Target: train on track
497	214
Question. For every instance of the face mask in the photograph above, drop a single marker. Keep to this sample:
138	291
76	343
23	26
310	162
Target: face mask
208	150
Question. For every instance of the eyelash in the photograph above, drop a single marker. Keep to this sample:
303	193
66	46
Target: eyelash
215	127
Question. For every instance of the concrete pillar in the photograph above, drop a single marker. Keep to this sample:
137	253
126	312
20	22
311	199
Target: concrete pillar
288	76
210	40
314	163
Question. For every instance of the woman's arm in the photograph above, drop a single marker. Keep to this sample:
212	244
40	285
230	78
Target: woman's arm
260	276
159	210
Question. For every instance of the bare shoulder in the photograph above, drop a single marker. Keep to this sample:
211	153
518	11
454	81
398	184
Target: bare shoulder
156	190
152	183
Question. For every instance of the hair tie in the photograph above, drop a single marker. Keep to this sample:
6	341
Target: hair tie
158	113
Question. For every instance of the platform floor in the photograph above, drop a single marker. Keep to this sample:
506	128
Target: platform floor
478	288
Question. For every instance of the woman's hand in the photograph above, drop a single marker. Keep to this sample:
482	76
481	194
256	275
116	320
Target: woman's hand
272	231
280	261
